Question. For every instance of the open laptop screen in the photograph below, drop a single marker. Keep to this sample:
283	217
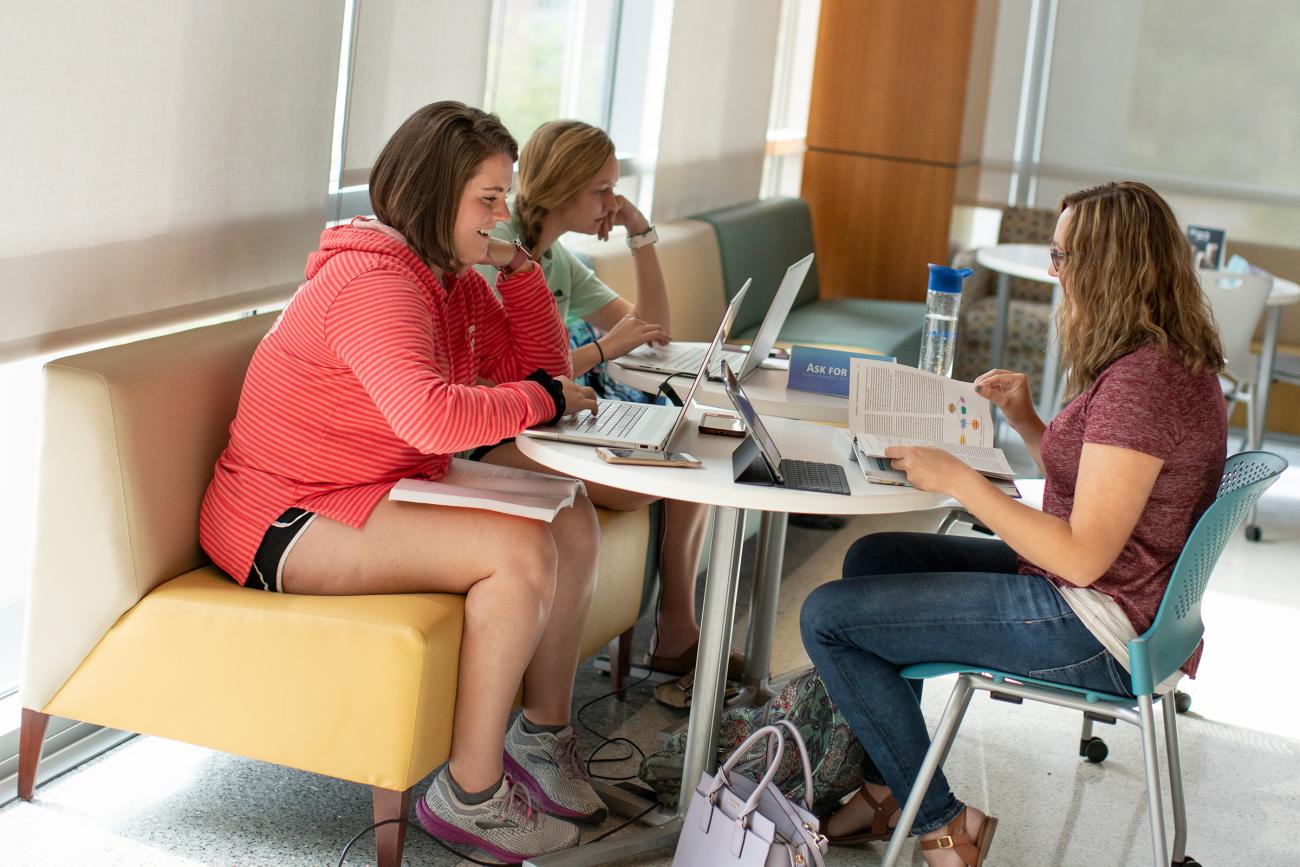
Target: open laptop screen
766	447
724	326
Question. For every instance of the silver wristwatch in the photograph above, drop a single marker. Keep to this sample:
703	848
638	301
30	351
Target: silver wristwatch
642	239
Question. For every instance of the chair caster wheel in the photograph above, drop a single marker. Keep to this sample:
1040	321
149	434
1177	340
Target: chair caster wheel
1188	861
1094	750
1182	702
1253	533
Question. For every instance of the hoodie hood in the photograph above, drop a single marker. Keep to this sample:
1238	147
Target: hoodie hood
374	239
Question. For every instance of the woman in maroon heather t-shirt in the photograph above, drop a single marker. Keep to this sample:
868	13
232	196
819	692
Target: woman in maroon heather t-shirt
1130	465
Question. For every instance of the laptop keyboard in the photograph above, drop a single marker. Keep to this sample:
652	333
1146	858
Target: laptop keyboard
692	358
814	476
614	419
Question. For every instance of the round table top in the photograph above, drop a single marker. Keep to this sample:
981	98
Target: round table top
1284	292
714	482
765	388
1030	261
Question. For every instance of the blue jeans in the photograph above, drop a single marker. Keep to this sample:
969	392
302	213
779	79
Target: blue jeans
919	597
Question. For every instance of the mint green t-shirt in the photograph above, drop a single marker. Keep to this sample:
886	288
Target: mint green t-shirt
577	291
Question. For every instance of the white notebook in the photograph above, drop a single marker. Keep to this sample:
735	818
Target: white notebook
475	485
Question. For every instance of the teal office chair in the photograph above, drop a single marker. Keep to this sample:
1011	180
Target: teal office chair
1153	656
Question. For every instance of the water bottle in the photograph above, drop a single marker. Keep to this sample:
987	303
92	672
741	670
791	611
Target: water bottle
939	337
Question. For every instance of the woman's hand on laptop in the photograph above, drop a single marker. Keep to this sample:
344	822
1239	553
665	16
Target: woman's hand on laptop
629	333
576	397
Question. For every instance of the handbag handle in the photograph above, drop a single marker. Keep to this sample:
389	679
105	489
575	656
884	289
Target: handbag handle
803	756
773	735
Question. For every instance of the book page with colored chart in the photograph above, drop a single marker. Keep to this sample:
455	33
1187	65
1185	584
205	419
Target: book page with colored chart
893	400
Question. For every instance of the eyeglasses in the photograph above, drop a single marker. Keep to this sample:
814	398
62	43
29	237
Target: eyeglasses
1057	256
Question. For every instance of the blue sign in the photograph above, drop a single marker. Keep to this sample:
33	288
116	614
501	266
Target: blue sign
825	371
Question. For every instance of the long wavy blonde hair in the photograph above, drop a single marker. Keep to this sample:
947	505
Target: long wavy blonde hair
1128	281
560	158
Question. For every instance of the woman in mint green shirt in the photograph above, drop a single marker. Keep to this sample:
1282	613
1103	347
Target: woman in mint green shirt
567	173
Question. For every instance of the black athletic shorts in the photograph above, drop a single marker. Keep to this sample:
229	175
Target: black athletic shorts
268	562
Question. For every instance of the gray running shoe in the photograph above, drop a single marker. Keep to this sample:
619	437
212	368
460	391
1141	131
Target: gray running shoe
506	826
549	766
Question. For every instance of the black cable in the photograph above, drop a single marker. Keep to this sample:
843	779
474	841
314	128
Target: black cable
668	391
606	741
420	828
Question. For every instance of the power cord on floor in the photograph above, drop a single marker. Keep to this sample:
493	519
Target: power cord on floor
420	828
633	749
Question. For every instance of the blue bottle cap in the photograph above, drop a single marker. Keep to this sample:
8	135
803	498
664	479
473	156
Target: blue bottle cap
945	279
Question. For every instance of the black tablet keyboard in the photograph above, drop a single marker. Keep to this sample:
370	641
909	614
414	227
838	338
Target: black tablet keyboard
814	476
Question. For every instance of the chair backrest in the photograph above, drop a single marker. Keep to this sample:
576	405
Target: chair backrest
1178	628
130	437
1238	301
760	240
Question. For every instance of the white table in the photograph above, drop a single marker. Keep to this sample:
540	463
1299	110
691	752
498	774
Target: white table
765	387
1030	261
713	484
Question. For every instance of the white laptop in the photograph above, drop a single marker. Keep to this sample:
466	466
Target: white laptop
624	424
685	357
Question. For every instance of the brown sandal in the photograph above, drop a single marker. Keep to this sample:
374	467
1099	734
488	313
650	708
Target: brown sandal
684	662
880	828
971	852
677	693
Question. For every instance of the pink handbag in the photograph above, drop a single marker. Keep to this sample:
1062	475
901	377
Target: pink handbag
734	821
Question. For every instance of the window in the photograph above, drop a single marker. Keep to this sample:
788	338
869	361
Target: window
791	93
1191	96
549	59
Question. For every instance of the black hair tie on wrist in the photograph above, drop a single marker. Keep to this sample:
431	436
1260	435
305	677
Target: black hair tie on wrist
601	350
553	387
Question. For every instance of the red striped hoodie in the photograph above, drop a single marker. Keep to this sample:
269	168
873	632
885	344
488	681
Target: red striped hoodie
368	377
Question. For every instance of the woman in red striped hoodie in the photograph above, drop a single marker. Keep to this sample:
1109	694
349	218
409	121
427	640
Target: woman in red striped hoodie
371	375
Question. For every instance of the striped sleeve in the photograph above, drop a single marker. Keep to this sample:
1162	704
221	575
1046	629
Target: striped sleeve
381	327
523	331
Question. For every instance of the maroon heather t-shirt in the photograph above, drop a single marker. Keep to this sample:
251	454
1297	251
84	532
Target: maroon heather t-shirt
1150	403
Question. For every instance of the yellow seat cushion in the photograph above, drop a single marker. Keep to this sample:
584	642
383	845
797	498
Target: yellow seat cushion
356	687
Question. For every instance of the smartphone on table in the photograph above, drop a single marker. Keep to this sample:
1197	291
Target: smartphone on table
722	424
646	458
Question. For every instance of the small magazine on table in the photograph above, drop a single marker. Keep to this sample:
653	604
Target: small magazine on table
896	405
475	485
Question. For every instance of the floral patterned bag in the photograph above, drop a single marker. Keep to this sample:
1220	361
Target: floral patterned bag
833	751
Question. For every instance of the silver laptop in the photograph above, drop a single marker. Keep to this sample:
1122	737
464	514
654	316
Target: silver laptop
685	357
625	424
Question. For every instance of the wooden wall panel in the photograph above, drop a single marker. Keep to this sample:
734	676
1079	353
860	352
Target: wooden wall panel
877	223
890	77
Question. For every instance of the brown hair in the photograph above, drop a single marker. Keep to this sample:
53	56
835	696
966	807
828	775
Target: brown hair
559	160
420	175
1129	281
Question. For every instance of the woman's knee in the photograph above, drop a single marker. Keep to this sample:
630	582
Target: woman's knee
818	612
880	554
526	554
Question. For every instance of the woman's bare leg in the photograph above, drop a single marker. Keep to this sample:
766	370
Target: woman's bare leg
679	562
679	553
505	566
548	681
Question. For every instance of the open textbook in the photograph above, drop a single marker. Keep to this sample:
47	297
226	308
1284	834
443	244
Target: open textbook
896	405
475	485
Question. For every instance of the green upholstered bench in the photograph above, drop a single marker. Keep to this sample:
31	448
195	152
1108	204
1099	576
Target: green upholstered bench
760	240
